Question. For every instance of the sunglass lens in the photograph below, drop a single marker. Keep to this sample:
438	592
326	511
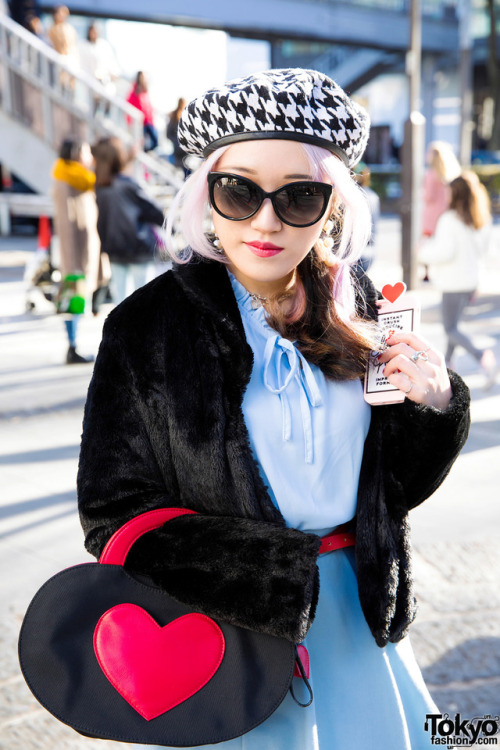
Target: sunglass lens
235	198
300	205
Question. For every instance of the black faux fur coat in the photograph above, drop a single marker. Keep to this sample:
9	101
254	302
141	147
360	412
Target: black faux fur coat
163	426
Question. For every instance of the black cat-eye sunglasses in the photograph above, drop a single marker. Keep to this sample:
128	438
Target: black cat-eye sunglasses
298	204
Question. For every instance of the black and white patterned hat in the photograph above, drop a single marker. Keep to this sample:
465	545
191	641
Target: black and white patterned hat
291	103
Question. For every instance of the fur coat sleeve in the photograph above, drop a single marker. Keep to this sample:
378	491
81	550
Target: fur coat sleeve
245	571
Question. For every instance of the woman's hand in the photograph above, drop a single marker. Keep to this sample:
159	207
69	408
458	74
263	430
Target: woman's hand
413	366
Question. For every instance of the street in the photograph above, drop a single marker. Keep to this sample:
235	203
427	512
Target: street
456	635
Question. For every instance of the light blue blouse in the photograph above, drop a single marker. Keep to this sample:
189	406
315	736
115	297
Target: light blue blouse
307	433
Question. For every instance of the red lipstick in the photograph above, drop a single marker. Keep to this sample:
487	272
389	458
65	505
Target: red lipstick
264	249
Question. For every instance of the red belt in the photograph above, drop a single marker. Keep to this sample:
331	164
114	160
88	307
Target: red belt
337	540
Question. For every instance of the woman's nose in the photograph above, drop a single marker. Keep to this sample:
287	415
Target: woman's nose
265	220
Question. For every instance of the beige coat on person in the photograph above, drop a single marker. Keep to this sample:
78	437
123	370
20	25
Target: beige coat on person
76	227
63	38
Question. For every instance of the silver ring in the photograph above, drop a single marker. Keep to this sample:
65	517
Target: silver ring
409	389
420	355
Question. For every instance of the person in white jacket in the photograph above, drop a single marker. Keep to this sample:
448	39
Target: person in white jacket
461	237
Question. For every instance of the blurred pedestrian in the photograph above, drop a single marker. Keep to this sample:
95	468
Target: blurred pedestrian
20	10
443	167
127	219
139	98
454	254
64	39
35	25
98	59
178	153
76	227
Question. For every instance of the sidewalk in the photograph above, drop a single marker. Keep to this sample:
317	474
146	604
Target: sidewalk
457	555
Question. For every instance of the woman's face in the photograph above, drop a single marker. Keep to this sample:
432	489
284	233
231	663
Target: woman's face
263	252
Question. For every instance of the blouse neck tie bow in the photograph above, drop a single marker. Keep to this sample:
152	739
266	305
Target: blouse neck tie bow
300	371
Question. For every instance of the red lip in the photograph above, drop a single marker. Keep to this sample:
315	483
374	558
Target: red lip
264	249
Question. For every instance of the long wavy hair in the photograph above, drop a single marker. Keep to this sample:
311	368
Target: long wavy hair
320	314
470	200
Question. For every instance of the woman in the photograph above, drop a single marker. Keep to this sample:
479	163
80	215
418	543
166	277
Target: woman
178	154
443	167
461	238
64	39
127	216
139	98
76	226
97	58
231	385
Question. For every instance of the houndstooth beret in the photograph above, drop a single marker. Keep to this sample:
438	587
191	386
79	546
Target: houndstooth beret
291	103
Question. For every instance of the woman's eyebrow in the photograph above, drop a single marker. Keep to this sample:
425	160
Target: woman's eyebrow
248	170
237	168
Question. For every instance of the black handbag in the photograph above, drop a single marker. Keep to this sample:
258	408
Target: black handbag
113	656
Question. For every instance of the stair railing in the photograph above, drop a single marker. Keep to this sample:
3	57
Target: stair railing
54	98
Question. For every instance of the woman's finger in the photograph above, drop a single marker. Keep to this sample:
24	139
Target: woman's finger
406	350
406	385
430	387
401	363
417	342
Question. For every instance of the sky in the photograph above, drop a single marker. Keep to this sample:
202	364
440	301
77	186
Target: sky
181	62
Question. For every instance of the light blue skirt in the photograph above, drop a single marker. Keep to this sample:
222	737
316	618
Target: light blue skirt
365	697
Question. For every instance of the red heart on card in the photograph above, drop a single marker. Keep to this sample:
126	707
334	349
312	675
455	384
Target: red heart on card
155	668
392	292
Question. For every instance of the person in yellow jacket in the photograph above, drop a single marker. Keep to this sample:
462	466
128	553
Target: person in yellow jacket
76	226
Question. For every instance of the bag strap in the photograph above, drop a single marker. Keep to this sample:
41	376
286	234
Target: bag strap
117	548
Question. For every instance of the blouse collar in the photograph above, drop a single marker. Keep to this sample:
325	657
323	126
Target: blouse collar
245	300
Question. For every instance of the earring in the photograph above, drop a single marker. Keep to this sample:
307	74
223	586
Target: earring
214	239
326	235
218	246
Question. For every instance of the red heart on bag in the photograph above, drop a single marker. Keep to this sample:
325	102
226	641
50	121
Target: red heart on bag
155	668
392	293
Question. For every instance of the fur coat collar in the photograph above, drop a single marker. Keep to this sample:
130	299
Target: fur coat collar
163	426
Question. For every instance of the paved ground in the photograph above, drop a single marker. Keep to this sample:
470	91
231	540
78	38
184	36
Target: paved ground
457	562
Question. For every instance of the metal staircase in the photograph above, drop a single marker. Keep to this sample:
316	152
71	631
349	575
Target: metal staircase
44	99
351	68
